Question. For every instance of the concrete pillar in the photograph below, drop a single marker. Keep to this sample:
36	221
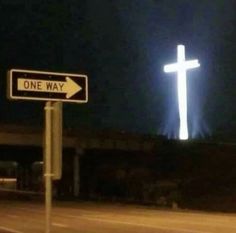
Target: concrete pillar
24	176
20	180
78	153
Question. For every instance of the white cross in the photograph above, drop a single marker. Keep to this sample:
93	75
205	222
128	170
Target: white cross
181	66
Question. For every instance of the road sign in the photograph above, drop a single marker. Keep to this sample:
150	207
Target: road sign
48	86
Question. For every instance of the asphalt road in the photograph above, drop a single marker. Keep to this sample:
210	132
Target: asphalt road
28	217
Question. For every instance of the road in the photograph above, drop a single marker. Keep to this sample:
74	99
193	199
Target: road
72	217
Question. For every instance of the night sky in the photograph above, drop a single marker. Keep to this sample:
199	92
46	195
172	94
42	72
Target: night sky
122	46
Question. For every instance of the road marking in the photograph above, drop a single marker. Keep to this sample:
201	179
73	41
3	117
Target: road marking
10	230
103	217
28	209
137	224
12	216
199	222
59	225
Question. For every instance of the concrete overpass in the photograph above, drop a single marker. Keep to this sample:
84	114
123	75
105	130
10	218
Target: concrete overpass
28	136
77	141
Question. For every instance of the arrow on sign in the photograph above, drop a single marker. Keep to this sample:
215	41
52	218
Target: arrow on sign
69	86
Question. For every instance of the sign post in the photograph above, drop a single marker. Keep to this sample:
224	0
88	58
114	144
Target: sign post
48	166
57	147
54	88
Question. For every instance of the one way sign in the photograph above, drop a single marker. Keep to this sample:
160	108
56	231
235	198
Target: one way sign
49	86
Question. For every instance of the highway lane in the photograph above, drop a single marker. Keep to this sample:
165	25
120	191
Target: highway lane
71	217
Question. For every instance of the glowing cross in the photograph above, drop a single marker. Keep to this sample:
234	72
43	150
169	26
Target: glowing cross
181	67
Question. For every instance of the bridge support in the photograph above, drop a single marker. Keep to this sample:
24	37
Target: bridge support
24	176
76	173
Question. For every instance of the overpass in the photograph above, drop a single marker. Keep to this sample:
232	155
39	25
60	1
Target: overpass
24	144
28	136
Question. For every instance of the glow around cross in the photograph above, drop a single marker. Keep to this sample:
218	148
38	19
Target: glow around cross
181	66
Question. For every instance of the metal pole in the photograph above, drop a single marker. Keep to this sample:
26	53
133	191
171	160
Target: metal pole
57	146
48	174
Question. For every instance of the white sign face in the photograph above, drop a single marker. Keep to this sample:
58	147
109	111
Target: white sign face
181	68
38	85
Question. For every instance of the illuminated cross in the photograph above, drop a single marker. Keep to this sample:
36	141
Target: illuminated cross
181	67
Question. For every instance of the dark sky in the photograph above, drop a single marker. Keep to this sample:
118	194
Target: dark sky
122	46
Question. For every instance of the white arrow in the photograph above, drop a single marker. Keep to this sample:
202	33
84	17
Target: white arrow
69	86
